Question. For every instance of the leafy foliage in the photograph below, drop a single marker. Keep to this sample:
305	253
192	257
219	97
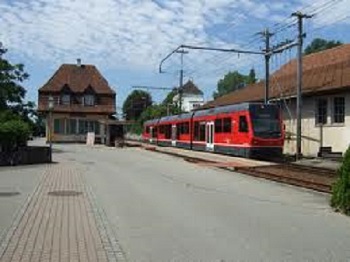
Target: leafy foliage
155	111
11	92
341	189
233	81
136	102
16	117
170	96
319	44
13	131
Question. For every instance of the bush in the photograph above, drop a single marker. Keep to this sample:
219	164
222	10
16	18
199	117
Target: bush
341	189
13	133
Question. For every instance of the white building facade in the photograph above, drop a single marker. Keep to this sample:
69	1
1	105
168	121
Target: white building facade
191	97
325	123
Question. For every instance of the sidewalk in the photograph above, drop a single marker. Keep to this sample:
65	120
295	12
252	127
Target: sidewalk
207	158
59	222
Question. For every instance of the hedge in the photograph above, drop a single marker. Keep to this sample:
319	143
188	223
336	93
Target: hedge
340	200
13	133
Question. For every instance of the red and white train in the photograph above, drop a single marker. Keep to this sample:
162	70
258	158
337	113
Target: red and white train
252	130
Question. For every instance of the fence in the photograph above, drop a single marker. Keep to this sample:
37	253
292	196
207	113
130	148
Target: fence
26	155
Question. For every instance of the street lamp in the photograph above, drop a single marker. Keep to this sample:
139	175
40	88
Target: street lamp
51	105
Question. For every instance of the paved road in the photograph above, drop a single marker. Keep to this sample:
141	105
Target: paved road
165	209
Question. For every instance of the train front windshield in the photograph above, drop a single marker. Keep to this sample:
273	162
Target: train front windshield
266	121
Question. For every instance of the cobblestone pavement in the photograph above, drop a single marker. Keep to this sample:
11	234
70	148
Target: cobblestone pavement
60	222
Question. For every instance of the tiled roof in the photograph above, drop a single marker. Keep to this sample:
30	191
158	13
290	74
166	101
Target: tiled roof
77	78
323	71
191	88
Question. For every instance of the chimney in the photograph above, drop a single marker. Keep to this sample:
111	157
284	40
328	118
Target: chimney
79	62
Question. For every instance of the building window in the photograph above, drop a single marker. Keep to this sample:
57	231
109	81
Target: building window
321	111
65	99
338	110
243	124
71	126
97	128
196	105
82	127
58	126
86	126
89	100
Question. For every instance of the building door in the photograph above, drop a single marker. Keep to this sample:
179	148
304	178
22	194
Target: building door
209	136
151	134
173	135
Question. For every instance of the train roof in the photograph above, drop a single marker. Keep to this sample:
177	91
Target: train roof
207	112
150	122
175	117
225	109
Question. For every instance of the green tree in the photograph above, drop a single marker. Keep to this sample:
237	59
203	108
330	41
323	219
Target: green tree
341	189
15	115
233	81
136	102
319	44
170	96
11	76
251	79
171	108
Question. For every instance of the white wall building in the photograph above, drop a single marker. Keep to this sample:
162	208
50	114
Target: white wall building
325	100
192	97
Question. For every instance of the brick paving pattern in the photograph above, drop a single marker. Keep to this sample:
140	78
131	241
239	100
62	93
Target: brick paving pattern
58	228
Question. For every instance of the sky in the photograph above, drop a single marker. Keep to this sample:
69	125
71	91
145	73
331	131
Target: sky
127	39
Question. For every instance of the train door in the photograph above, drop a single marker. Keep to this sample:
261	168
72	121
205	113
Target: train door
243	130
151	134
209	136
173	135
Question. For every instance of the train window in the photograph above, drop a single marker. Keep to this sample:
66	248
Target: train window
155	132
183	128
167	131
196	131
179	129
218	125
186	128
161	129
147	129
227	125
202	132
243	124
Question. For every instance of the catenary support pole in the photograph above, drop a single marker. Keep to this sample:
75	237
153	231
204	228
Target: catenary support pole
300	16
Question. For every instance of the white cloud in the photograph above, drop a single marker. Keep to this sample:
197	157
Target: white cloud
122	31
136	34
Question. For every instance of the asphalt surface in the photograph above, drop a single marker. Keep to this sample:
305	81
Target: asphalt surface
162	208
165	209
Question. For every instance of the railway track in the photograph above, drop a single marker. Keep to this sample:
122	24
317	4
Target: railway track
315	178
319	179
